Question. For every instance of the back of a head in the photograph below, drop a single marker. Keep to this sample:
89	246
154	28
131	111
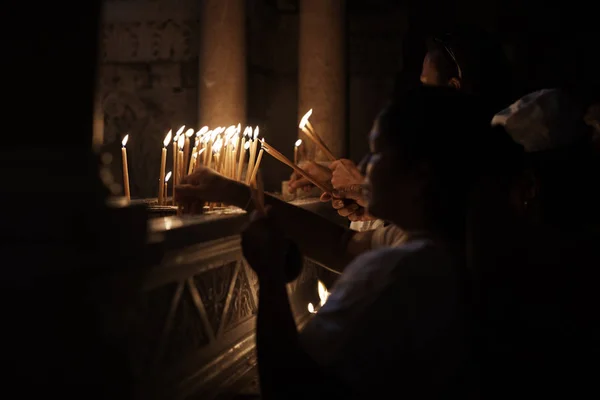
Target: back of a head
483	63
450	131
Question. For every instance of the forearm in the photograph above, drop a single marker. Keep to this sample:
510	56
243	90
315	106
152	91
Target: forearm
286	370
318	238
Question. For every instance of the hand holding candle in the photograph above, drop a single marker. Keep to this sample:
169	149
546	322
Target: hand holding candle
125	168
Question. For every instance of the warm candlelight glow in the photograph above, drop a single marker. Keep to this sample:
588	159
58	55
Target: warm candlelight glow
298	143
311	308
180	131
206	136
181	142
201	150
189	132
255	133
238	129
230	131
217	145
167	139
202	131
247	145
167	177
248	131
304	119
125	139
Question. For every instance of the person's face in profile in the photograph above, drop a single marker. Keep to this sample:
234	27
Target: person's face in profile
392	186
429	74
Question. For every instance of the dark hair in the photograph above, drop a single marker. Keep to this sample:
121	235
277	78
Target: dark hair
451	132
484	67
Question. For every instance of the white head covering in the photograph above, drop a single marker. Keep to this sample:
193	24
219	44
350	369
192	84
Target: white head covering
544	120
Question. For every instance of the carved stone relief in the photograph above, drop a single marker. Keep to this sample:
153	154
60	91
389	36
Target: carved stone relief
213	287
242	305
188	331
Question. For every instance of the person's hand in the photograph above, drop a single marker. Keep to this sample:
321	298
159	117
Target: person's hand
345	173
264	246
350	202
317	171
204	185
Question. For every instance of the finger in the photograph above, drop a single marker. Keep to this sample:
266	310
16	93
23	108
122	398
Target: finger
337	204
354	192
334	165
351	209
325	197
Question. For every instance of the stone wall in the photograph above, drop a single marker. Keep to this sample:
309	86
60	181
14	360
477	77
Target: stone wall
148	81
148	78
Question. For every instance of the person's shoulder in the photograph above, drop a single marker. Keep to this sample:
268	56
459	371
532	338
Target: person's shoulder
413	255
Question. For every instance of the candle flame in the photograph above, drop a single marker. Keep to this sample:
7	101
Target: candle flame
180	130
323	293
248	131
247	146
298	143
181	142
238	129
214	134
202	131
207	136
217	145
201	150
167	139
255	133
197	141
305	118
189	132
311	308
230	131
167	177
125	139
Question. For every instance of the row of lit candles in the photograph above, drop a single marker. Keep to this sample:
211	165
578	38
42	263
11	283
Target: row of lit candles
224	150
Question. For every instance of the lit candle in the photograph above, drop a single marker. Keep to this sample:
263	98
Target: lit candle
186	148
252	159
296	146
208	147
216	148
309	131
125	169
175	182
192	163
201	136
166	184
163	164
243	149
257	166
180	165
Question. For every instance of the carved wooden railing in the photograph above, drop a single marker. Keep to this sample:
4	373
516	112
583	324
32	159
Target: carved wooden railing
191	326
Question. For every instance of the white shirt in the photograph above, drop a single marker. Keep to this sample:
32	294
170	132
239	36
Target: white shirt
395	321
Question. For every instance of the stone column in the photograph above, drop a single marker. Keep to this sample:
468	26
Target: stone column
322	71
222	63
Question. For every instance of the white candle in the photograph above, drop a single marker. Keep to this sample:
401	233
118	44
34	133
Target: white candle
180	165
166	184
244	146
296	146
163	164
252	159
125	168
257	166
